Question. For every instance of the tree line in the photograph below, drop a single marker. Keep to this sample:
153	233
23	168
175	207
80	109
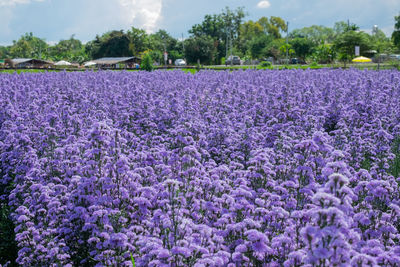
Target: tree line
217	36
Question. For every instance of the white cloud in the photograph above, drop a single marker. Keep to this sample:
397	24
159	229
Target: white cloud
264	4
143	14
6	16
16	2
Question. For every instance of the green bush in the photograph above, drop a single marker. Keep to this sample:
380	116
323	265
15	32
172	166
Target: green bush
147	63
265	64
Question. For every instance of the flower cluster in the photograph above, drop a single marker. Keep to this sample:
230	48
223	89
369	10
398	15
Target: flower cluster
246	168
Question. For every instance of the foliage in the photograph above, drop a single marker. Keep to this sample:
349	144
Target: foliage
341	27
273	26
302	47
324	54
316	34
29	46
396	32
200	48
265	64
346	42
138	41
110	44
147	62
71	50
216	37
258	46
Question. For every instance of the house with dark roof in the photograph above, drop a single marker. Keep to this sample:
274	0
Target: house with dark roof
117	62
28	63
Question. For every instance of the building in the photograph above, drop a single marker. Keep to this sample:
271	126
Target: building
117	62
28	63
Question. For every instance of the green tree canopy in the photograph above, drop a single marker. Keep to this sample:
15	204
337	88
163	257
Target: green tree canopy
110	44
396	32
71	49
200	48
302	47
315	33
346	42
258	46
138	41
342	27
273	26
29	46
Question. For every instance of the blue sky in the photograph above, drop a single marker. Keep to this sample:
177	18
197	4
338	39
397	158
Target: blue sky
54	20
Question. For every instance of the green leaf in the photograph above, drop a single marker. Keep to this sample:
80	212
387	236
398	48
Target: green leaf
133	260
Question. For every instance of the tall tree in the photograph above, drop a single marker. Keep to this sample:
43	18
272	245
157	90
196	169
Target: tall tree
380	42
346	42
396	32
317	34
138	41
29	46
302	47
110	44
221	28
273	26
71	49
200	48
250	34
4	51
258	45
342	27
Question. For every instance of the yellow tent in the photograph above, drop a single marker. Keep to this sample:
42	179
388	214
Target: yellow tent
361	59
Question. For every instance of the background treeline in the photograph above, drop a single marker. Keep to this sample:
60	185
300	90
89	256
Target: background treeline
215	37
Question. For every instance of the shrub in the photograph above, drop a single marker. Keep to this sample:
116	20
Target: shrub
147	63
265	64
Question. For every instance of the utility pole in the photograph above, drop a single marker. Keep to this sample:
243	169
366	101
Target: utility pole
183	49
287	42
183	45
226	46
165	54
231	45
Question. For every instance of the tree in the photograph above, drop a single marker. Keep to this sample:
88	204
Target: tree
324	53
380	42
396	32
71	49
286	49
346	42
273	48
147	63
258	46
221	27
4	51
303	47
21	49
29	46
317	34
110	44
138	41
250	34
200	48
273	26
342	27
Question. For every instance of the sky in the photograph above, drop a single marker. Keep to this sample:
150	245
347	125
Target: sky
54	20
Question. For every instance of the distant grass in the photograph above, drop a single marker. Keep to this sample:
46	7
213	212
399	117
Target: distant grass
19	71
192	70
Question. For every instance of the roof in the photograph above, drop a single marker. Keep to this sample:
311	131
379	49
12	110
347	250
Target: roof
17	61
21	60
113	60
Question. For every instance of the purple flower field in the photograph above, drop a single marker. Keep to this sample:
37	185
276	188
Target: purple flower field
245	168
